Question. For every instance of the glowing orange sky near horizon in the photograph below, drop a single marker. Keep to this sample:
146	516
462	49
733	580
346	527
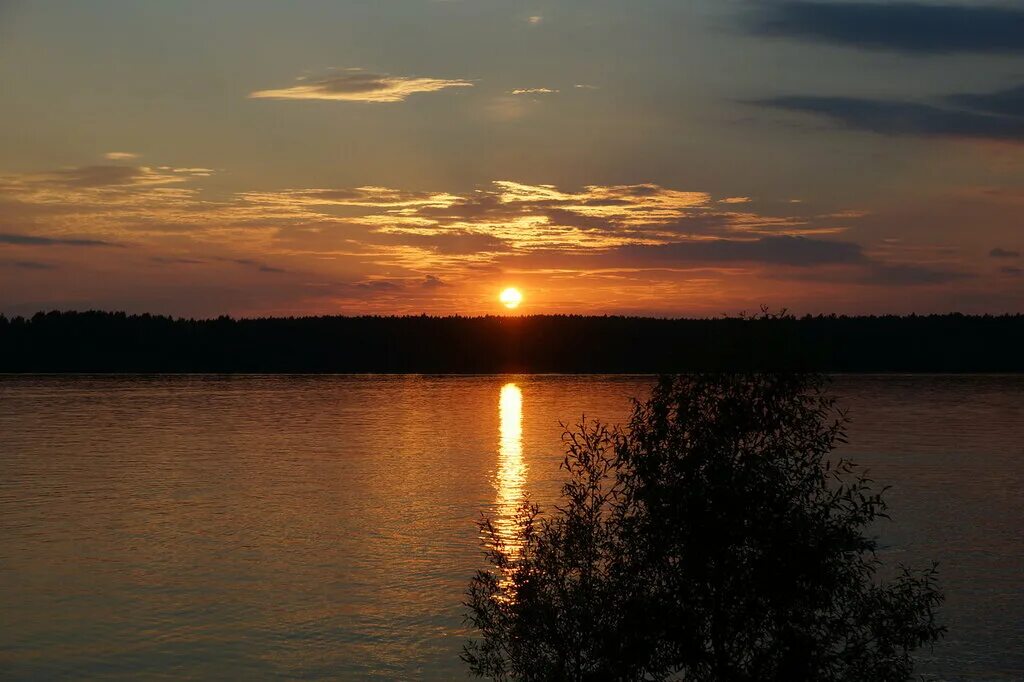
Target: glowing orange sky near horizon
348	171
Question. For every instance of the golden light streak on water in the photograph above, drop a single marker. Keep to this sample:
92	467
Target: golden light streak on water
511	476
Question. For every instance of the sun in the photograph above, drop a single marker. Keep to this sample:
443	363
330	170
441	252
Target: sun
511	298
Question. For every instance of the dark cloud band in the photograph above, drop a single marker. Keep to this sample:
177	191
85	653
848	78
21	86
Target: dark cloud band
782	250
900	26
904	118
33	240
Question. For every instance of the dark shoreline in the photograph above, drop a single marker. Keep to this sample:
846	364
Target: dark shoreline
116	343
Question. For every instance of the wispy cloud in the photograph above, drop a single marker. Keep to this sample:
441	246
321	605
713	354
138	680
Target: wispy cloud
911	27
386	248
356	85
909	274
534	91
515	216
1003	253
1008	102
897	117
35	240
120	156
176	260
780	250
105	176
251	263
27	265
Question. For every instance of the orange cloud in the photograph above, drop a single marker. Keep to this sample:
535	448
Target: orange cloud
386	249
356	85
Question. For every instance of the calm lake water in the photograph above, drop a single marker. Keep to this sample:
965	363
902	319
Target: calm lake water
323	527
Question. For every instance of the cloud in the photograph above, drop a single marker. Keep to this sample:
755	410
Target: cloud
447	242
34	240
901	274
909	27
376	286
1008	102
355	85
105	204
781	250
876	273
27	265
386	291
793	258
176	260
109	176
249	262
889	117
120	156
535	19
387	239
534	91
1003	253
1011	270
508	215
363	197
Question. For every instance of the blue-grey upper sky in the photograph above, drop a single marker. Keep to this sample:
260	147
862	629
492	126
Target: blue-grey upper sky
654	156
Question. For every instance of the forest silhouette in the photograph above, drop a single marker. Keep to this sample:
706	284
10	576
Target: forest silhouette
94	341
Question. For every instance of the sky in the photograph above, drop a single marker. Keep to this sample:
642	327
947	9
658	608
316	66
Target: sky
650	157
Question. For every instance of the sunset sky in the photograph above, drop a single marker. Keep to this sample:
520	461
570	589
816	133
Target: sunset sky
653	157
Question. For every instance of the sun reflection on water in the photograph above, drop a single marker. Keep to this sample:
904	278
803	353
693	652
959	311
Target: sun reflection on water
511	475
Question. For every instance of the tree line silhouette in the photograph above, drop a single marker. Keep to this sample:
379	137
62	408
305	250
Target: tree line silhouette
95	341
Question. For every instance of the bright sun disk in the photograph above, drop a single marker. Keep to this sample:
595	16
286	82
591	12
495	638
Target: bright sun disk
511	298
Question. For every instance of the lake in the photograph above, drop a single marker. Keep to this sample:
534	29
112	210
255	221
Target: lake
318	527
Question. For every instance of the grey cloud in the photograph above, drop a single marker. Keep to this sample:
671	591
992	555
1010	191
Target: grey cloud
176	261
249	262
451	242
27	265
97	176
1008	102
1011	270
473	207
781	250
903	118
797	258
33	240
876	273
561	216
909	275
909	27
1003	253
377	285
381	289
116	176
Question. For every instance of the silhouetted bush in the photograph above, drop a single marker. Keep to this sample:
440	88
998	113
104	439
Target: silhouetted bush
718	537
